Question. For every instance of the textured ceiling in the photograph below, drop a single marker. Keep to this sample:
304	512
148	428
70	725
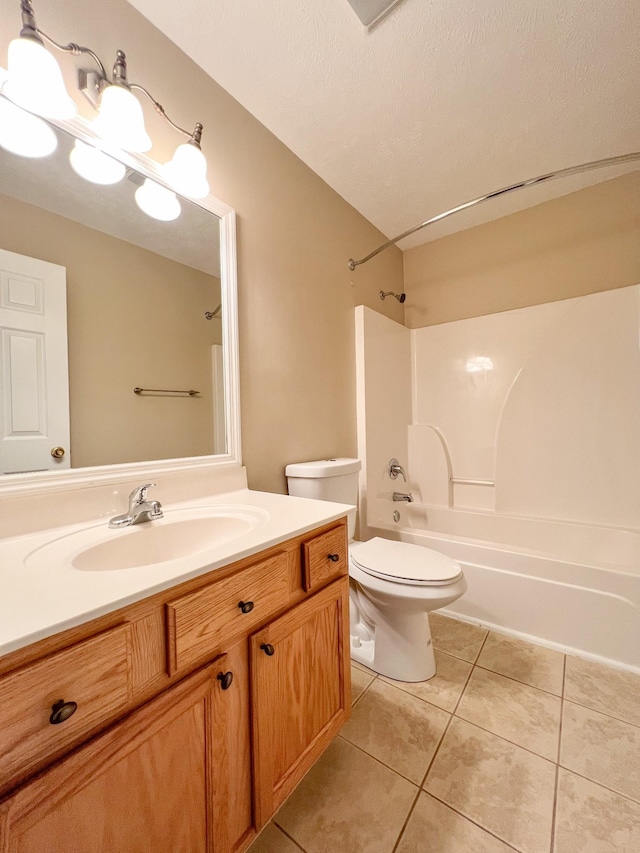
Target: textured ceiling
439	102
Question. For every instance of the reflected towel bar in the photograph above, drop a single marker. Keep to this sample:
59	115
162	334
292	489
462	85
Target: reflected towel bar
139	390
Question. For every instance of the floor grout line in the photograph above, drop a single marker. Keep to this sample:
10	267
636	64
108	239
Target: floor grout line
600	785
472	820
355	701
406	821
505	739
598	711
397	684
290	837
380	762
554	813
562	700
519	680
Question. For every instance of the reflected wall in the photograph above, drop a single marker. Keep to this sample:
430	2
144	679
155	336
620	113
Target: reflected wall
135	318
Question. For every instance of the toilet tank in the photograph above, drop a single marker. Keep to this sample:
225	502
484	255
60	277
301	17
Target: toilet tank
326	480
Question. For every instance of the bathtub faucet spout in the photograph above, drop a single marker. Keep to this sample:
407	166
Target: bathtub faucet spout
403	496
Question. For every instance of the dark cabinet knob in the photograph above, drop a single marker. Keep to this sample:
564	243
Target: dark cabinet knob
334	557
245	606
268	649
225	679
61	711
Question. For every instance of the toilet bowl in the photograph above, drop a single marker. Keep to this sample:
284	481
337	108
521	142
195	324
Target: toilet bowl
392	585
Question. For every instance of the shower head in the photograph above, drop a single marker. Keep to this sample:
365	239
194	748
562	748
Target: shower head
399	296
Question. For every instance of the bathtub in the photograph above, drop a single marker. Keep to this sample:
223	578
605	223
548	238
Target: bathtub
567	586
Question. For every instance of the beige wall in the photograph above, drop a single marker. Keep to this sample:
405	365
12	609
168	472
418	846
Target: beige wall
581	243
134	318
295	235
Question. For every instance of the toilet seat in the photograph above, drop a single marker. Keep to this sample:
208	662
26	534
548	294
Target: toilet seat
404	563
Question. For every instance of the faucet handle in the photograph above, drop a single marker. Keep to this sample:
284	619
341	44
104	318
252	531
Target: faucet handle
396	468
139	494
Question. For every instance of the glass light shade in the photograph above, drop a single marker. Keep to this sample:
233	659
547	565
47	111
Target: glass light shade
94	165
157	201
186	172
24	134
35	81
120	121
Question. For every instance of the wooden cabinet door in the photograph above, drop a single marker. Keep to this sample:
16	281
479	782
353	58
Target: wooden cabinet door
231	761
144	786
300	692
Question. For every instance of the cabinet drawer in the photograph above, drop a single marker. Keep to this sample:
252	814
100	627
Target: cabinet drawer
204	622
325	557
94	674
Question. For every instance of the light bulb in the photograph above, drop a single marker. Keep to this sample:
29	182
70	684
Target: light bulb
35	80
24	134
94	165
120	121
157	201
186	172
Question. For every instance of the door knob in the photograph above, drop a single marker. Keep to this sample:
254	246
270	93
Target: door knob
57	452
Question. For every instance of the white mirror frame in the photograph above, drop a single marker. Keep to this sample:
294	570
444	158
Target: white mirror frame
48	481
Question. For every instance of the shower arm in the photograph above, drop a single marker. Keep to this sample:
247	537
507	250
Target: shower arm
541	179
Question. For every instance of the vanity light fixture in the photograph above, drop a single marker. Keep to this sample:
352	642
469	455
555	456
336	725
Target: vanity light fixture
157	201
120	120
24	134
35	80
35	83
187	169
94	165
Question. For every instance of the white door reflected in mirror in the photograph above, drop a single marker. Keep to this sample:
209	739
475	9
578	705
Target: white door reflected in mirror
34	382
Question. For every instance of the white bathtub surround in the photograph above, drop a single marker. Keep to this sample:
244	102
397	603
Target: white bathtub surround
520	446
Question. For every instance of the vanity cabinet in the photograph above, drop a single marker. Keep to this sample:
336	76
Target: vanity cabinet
196	713
300	695
146	785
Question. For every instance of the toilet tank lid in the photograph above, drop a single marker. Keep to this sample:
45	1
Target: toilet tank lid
323	468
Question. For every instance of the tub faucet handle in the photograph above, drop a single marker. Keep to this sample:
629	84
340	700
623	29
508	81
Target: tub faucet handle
396	468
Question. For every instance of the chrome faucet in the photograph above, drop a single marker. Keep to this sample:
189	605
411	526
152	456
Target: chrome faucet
403	496
140	509
394	468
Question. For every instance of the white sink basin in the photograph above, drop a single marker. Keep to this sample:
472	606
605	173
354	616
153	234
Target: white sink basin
180	534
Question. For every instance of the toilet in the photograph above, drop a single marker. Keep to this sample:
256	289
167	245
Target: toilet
392	585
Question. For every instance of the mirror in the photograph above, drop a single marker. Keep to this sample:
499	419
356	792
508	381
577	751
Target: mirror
151	329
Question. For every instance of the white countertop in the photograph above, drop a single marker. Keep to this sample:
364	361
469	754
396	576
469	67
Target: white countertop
40	596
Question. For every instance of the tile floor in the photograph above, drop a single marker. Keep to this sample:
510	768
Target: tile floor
510	747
